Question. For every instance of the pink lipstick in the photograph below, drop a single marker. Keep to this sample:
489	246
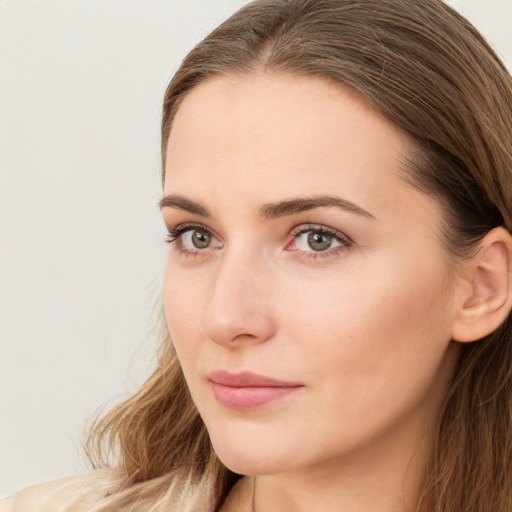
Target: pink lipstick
247	390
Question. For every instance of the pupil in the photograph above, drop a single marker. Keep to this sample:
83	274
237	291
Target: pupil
319	242
201	240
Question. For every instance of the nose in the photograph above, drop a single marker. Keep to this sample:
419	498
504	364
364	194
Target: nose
239	310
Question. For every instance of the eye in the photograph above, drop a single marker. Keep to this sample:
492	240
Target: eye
196	239
192	238
318	240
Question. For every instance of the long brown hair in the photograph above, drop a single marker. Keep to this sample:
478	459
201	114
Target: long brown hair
428	71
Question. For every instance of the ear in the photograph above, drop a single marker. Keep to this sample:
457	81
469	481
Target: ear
486	299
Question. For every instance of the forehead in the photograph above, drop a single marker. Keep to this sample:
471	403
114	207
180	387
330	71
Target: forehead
261	120
272	99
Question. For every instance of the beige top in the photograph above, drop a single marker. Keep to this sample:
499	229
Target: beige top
74	494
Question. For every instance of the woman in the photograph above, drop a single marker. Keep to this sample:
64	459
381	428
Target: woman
337	180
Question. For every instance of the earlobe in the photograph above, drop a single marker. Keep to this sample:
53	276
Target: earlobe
487	301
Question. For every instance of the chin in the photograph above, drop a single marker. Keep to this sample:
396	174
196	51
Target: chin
251	458
253	466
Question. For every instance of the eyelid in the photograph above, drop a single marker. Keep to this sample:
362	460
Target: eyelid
185	226
321	228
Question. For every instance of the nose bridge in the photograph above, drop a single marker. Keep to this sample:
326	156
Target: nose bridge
239	305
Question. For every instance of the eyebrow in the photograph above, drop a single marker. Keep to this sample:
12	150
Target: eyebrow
271	210
182	203
302	204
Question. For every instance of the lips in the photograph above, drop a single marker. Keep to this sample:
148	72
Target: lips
248	390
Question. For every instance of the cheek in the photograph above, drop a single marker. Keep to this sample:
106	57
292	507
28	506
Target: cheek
182	301
372	352
372	330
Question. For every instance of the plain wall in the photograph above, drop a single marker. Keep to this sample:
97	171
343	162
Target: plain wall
81	242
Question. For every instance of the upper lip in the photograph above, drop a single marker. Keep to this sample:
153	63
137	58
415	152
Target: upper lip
248	379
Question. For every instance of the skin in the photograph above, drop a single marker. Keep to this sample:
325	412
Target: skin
364	325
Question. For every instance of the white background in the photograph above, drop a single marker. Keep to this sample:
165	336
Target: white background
81	243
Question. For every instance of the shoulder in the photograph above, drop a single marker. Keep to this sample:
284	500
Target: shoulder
77	494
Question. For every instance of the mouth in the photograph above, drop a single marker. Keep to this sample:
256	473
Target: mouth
248	390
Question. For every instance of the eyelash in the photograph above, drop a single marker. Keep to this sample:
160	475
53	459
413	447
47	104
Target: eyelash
174	237
175	234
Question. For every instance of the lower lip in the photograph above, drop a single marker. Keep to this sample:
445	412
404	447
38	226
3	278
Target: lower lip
250	396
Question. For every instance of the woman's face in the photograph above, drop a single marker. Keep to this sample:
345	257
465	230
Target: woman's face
307	290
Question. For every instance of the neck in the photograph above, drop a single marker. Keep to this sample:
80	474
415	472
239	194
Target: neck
384	488
379	479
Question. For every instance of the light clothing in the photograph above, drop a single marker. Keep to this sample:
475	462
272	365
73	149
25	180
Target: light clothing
73	494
